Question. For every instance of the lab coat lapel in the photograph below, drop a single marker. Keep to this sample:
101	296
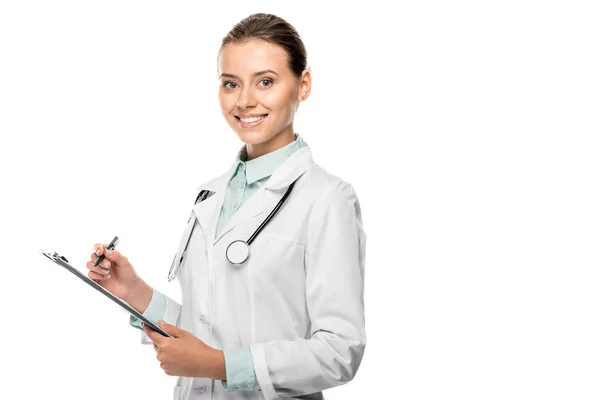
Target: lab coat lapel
207	211
267	196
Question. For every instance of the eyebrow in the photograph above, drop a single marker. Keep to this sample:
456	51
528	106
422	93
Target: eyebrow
254	74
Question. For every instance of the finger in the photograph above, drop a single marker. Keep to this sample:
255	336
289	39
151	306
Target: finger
104	265
103	268
154	336
171	329
115	257
98	277
99	248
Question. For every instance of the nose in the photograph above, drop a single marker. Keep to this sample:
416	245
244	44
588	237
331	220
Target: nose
246	98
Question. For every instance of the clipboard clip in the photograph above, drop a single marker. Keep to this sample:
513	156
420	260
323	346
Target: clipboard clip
54	256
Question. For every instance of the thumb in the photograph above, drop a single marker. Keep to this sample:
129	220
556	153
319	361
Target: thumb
171	329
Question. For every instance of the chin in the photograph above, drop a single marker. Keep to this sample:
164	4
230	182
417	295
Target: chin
249	137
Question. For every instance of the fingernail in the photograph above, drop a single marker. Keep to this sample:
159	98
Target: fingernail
161	322
107	276
106	263
98	252
109	252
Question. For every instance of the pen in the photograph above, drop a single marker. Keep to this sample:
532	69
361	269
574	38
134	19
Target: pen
111	246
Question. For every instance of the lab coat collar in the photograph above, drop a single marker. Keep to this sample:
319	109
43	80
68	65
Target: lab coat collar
296	165
264	199
263	166
215	184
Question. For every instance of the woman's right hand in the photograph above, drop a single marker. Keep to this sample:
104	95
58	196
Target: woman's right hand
115	273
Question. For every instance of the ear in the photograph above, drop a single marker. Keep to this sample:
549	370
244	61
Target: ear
305	83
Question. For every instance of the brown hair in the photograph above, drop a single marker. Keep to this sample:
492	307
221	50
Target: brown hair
272	29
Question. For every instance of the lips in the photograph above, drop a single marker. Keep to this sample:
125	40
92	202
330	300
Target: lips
251	119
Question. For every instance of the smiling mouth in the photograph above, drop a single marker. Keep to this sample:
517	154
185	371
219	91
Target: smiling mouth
251	120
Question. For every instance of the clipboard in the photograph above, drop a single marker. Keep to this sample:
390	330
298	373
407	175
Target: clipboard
63	262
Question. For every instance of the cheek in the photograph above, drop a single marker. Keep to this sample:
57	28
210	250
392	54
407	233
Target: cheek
274	98
279	101
225	103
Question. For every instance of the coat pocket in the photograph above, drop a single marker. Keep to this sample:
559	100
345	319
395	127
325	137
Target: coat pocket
278	257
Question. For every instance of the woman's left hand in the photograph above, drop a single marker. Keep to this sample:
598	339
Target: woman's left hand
185	354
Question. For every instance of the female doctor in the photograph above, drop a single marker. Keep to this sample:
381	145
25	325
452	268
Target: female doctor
269	312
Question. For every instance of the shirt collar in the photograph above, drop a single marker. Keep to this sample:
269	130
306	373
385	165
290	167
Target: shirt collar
265	165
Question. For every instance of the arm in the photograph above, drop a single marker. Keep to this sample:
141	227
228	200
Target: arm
155	310
334	264
238	362
153	305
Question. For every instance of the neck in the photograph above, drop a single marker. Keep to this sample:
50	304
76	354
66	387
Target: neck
278	141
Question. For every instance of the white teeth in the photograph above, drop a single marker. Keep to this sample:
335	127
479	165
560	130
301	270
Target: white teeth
253	119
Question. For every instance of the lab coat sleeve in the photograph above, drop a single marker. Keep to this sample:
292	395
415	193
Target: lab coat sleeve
155	310
240	370
334	267
161	307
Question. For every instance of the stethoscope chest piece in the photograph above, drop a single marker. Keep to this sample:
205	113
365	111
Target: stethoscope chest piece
237	252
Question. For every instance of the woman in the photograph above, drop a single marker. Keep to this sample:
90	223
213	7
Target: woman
289	321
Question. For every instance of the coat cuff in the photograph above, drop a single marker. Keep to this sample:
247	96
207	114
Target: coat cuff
262	372
240	370
155	310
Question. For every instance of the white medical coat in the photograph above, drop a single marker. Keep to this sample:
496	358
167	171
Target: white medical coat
297	302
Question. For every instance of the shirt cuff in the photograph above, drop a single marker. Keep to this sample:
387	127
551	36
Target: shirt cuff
155	310
240	370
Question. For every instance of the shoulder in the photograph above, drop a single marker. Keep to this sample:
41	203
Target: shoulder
329	191
325	184
334	207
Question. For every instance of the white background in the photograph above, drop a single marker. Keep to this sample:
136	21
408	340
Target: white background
469	131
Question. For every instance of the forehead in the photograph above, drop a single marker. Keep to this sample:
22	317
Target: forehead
243	59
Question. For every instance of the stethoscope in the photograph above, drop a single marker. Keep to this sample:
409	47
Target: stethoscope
238	251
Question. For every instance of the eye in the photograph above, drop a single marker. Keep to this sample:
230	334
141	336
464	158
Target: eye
270	82
229	87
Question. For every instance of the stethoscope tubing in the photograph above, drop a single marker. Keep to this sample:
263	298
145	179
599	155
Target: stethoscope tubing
177	264
271	214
